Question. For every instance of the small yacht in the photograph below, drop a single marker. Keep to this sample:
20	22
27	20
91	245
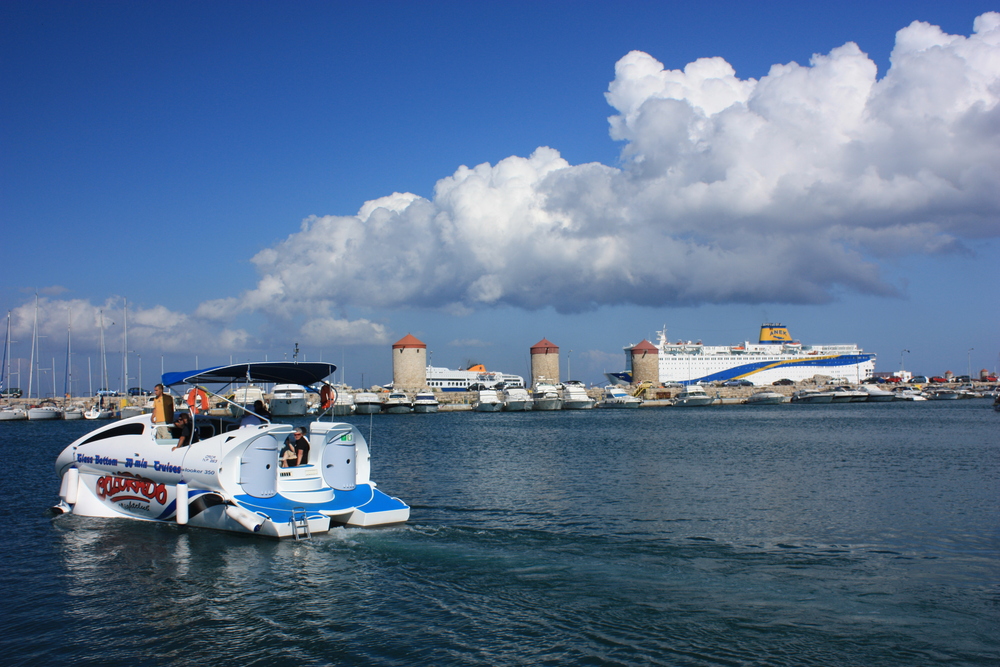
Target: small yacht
397	403
616	397
288	400
877	395
367	403
488	401
765	398
812	396
847	395
545	397
692	396
516	399
72	412
425	402
574	396
343	403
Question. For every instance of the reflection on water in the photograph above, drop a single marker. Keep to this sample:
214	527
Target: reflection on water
722	536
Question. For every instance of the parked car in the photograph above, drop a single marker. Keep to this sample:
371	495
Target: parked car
737	383
938	379
107	392
11	392
784	382
137	391
989	378
962	378
893	378
918	379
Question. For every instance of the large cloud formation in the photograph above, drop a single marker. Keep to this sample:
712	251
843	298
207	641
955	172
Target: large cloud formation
784	190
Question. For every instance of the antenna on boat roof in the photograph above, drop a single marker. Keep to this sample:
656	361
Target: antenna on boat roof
295	354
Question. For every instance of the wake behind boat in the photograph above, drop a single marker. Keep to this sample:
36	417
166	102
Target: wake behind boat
229	477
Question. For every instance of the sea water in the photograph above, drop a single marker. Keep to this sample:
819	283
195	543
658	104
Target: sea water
853	534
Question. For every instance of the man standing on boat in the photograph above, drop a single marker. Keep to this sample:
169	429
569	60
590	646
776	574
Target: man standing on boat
163	412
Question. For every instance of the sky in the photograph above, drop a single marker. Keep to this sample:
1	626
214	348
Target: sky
248	177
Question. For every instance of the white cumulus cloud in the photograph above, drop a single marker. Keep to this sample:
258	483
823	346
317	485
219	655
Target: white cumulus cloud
785	189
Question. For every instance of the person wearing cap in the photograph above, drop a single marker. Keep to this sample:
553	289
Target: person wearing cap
182	428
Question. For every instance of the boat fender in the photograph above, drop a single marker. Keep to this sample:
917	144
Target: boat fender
197	400
182	503
70	485
326	397
247	519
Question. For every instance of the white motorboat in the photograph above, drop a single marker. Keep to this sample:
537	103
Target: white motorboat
488	400
97	412
942	395
243	400
44	412
228	478
516	399
812	396
367	403
877	395
574	396
287	400
72	412
343	403
692	396
10	413
397	403
765	398
425	402
615	396
545	397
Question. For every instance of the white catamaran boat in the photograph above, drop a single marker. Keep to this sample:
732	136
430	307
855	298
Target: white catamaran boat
445	379
228	478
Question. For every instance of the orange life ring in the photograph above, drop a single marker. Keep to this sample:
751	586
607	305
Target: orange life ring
326	397
197	400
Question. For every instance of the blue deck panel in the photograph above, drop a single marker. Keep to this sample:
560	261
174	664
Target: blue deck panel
363	496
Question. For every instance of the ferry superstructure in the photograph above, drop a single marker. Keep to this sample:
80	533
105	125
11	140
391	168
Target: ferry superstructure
774	357
445	379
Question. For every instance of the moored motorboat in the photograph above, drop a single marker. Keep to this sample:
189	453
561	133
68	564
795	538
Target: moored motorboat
615	396
367	403
877	395
487	400
692	396
545	397
228	478
425	402
343	403
72	412
288	400
516	399
812	396
765	398
397	403
574	396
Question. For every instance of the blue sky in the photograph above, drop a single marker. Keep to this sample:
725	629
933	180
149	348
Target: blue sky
212	163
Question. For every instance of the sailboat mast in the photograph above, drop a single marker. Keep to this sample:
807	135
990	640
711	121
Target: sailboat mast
5	367
68	382
34	341
125	352
104	357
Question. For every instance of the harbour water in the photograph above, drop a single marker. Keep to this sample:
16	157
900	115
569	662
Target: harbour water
853	534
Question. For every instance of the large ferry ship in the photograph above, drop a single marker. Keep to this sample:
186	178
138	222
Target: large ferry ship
774	357
445	379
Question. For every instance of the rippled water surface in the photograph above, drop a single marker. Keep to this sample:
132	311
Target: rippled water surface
864	534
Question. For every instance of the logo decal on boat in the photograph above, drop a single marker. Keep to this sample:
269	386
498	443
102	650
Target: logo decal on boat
132	488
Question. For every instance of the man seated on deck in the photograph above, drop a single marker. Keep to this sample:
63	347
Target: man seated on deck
182	429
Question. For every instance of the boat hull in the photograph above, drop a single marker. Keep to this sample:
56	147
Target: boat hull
517	406
547	403
425	408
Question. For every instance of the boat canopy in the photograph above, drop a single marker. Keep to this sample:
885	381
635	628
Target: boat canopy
282	372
